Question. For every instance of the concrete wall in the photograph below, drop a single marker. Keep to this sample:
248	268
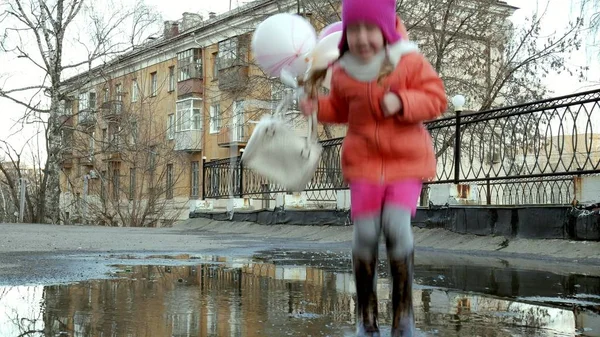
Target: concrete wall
544	222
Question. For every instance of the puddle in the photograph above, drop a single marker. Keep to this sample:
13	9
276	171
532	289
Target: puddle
298	294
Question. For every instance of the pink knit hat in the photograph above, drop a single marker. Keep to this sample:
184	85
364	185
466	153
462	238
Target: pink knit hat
379	12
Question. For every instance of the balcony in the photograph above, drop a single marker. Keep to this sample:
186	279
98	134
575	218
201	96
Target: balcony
113	150
67	159
234	77
112	110
188	140
86	117
87	160
234	136
193	84
66	120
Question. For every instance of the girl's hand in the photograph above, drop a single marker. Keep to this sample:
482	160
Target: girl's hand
307	106
391	104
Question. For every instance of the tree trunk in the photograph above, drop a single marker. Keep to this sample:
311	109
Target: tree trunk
49	210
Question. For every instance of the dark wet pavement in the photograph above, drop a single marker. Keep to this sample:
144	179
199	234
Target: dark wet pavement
280	293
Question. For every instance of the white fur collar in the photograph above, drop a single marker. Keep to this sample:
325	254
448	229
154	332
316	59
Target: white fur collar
368	72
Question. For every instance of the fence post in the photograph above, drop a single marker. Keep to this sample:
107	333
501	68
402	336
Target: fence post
488	190
241	177
457	147
203	178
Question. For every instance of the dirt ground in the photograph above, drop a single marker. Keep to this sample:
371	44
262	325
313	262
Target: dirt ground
197	235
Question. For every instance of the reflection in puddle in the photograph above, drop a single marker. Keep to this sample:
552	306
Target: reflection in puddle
240	297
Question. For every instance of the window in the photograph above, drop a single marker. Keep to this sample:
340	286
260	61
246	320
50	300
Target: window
215	118
116	183
92	144
169	186
87	101
118	98
106	97
65	108
195	179
197	119
215	65
188	115
152	158
104	138
237	131
153	84
171	127
114	139
134	90
131	183
171	78
189	64
134	133
228	53
278	92
66	137
102	186
119	92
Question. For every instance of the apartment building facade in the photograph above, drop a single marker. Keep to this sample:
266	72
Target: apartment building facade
137	130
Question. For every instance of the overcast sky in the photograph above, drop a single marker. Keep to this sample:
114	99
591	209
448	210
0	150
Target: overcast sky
173	9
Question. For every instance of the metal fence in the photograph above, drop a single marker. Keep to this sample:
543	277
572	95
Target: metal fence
526	154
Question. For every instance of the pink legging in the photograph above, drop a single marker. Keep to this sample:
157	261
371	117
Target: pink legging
368	199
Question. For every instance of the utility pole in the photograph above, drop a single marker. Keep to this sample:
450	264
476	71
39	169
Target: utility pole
22	191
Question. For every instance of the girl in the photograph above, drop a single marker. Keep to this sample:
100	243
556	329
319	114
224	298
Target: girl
384	89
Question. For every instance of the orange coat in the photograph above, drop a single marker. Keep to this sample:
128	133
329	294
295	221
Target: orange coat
386	149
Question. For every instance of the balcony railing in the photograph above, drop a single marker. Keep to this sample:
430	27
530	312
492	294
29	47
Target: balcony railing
234	135
188	140
86	117
233	78
112	109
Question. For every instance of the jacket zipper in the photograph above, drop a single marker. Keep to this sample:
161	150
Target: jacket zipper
382	180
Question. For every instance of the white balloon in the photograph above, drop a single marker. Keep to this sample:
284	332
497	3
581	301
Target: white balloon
281	41
326	51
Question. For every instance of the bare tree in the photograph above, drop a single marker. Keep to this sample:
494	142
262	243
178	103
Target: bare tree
131	169
476	50
21	165
68	36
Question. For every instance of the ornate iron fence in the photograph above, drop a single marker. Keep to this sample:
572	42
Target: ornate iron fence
525	154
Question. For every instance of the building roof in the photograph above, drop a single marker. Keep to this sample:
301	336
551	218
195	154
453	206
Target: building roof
153	45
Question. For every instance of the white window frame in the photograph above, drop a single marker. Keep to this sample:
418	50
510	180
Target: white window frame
215	118
133	137
87	100
135	92
171	126
188	114
189	64
228	52
238	121
65	108
154	84
172	80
